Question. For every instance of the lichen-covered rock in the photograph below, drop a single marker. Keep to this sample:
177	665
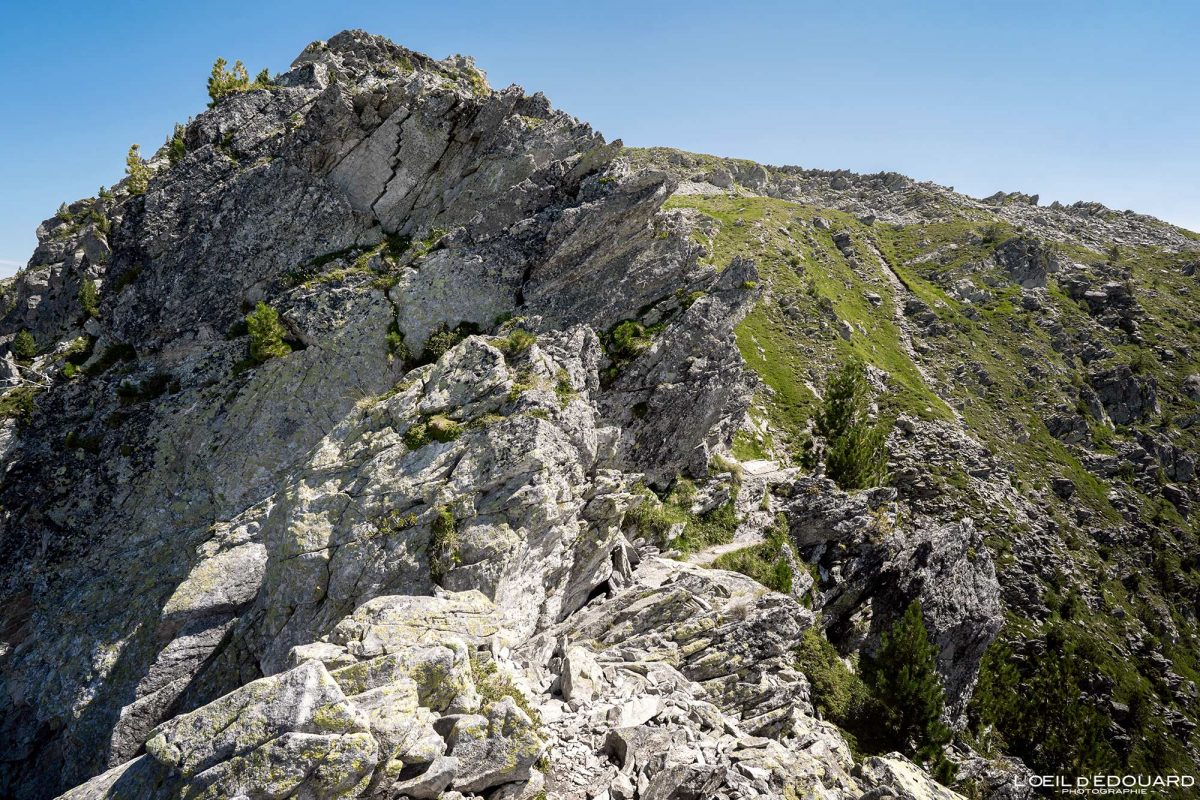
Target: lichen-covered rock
495	747
894	775
305	700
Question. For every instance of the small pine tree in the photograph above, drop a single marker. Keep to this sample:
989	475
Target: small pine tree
908	693
24	346
262	79
89	297
223	81
856	454
266	333
176	147
137	170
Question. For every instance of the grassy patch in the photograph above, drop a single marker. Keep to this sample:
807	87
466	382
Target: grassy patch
763	562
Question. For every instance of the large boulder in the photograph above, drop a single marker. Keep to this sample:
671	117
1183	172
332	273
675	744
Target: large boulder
291	733
495	747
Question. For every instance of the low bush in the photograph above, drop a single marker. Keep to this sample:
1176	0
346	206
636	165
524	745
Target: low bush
516	342
493	686
711	528
266	333
763	562
838	694
89	297
396	346
654	519
627	339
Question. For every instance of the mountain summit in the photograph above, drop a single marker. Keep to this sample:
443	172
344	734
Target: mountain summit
388	435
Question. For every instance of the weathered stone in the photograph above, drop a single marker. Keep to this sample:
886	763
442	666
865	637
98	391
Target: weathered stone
580	675
495	748
904	779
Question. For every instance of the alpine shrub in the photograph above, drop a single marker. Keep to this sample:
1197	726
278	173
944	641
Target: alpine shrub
443	545
266	333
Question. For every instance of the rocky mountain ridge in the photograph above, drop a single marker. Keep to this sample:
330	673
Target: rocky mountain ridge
420	551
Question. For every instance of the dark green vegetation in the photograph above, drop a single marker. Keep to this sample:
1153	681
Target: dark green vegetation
908	696
838	693
441	340
18	403
1036	706
897	701
138	391
89	297
624	342
855	449
24	347
112	355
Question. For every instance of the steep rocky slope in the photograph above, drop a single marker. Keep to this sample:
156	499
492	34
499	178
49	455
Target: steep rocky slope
421	550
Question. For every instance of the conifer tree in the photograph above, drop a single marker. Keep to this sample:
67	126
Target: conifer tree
266	333
176	147
223	81
908	694
1041	712
89	298
24	347
136	169
855	454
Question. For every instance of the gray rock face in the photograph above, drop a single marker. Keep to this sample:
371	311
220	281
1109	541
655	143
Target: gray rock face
298	489
1126	397
894	775
871	571
1027	261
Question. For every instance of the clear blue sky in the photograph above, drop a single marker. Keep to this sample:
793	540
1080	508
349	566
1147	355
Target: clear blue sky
1073	100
